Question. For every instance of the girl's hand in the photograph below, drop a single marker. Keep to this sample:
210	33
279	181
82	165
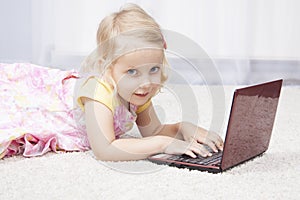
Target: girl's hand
195	134
179	147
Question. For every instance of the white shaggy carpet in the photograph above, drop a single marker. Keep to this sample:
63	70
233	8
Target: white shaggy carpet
77	175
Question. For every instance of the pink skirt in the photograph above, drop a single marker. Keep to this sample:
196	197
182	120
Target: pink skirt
37	112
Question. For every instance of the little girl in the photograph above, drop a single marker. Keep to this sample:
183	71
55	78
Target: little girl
120	77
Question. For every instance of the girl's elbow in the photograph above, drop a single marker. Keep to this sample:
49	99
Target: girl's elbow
102	156
98	156
102	151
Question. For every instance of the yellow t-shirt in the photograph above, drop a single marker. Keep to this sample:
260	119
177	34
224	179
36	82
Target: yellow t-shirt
97	90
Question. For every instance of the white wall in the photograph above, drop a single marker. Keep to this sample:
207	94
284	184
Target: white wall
226	29
60	33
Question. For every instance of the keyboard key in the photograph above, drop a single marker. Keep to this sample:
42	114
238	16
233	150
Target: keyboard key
199	160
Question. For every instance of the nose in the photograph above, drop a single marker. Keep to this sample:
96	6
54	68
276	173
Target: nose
146	81
145	84
149	80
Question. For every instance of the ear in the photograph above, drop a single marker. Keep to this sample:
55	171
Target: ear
165	44
164	41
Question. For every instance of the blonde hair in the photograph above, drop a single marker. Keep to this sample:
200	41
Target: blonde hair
122	32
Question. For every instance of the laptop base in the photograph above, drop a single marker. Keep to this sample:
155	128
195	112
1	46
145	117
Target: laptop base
170	163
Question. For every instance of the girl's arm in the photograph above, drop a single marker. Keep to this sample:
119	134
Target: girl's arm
149	125
100	131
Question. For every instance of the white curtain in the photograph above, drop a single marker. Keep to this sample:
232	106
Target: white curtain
233	30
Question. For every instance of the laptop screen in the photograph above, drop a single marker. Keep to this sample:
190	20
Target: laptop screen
251	121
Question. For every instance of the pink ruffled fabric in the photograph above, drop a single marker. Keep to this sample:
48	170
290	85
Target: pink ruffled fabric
124	119
37	114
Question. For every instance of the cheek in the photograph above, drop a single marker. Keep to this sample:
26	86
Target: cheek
159	79
126	87
156	79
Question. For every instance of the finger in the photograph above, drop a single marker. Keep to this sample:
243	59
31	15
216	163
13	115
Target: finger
201	150
211	136
212	146
191	154
217	140
219	143
210	143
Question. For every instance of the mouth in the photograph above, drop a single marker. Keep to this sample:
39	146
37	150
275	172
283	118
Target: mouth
141	94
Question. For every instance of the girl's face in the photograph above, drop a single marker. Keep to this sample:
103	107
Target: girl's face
138	75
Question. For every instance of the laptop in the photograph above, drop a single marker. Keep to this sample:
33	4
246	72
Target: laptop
248	133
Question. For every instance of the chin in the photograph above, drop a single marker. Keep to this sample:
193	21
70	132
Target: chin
139	102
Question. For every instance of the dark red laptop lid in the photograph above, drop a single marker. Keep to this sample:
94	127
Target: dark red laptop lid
251	122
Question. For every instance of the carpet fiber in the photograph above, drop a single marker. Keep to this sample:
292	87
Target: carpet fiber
77	175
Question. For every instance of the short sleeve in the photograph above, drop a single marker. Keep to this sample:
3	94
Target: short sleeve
143	107
97	90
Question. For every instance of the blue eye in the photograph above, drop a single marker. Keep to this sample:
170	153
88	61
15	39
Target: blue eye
132	72
154	69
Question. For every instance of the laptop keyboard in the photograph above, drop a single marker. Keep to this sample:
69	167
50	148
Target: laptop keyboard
199	160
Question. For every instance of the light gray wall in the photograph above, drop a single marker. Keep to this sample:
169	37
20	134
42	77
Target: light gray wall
236	72
15	34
